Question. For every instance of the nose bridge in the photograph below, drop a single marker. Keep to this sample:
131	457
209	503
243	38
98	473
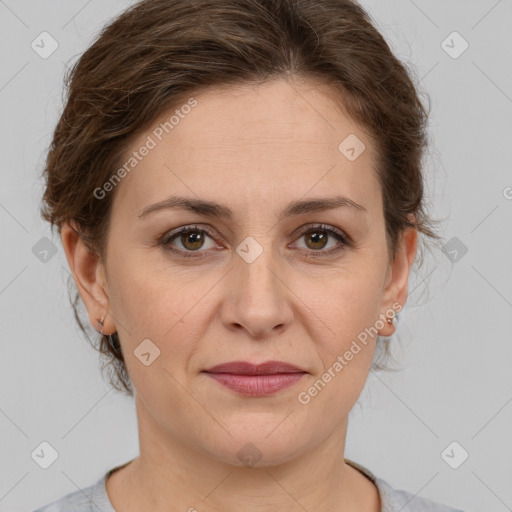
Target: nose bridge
259	300
256	267
258	276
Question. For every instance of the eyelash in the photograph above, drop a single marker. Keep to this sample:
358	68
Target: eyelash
345	240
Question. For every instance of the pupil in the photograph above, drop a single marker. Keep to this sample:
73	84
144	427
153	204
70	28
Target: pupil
192	240
318	238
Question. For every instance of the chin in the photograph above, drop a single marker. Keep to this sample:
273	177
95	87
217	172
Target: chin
255	447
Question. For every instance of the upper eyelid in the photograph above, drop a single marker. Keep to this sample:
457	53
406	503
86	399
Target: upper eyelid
190	227
300	231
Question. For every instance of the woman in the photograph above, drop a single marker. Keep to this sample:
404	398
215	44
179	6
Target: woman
238	189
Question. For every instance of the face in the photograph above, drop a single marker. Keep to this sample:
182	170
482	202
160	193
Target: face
271	272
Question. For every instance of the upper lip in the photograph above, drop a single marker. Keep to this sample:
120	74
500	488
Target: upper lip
245	368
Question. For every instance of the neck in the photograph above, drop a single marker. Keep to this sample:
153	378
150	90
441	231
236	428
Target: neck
172	475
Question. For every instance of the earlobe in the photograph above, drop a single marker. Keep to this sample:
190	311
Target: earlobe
89	275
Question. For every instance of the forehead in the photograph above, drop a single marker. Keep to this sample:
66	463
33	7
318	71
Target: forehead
279	138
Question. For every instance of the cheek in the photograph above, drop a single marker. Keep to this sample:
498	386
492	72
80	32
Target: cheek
346	306
147	304
345	345
142	296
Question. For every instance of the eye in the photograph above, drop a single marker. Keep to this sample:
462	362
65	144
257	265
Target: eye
317	239
190	239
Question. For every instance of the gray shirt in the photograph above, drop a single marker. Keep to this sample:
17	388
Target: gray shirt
95	498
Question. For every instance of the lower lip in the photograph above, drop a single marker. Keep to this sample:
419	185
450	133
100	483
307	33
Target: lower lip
256	385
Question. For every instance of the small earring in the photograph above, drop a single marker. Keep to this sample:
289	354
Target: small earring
390	320
100	323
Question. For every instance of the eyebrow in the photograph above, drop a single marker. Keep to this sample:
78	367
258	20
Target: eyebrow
212	209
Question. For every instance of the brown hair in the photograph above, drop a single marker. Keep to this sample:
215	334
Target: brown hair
160	51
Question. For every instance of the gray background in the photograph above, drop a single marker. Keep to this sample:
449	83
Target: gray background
455	334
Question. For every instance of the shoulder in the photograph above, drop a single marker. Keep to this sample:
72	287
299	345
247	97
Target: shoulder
397	500
394	500
88	499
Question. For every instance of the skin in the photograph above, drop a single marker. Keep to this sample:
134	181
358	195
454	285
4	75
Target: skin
253	149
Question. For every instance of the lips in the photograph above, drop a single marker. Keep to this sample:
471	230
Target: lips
245	368
256	380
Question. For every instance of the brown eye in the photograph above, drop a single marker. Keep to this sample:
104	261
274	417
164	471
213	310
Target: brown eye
317	239
192	240
189	241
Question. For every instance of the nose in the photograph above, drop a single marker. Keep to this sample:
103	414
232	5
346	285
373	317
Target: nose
257	298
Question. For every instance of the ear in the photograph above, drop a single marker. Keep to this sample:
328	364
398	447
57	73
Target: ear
398	276
89	274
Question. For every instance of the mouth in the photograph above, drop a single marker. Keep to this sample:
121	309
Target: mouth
256	379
